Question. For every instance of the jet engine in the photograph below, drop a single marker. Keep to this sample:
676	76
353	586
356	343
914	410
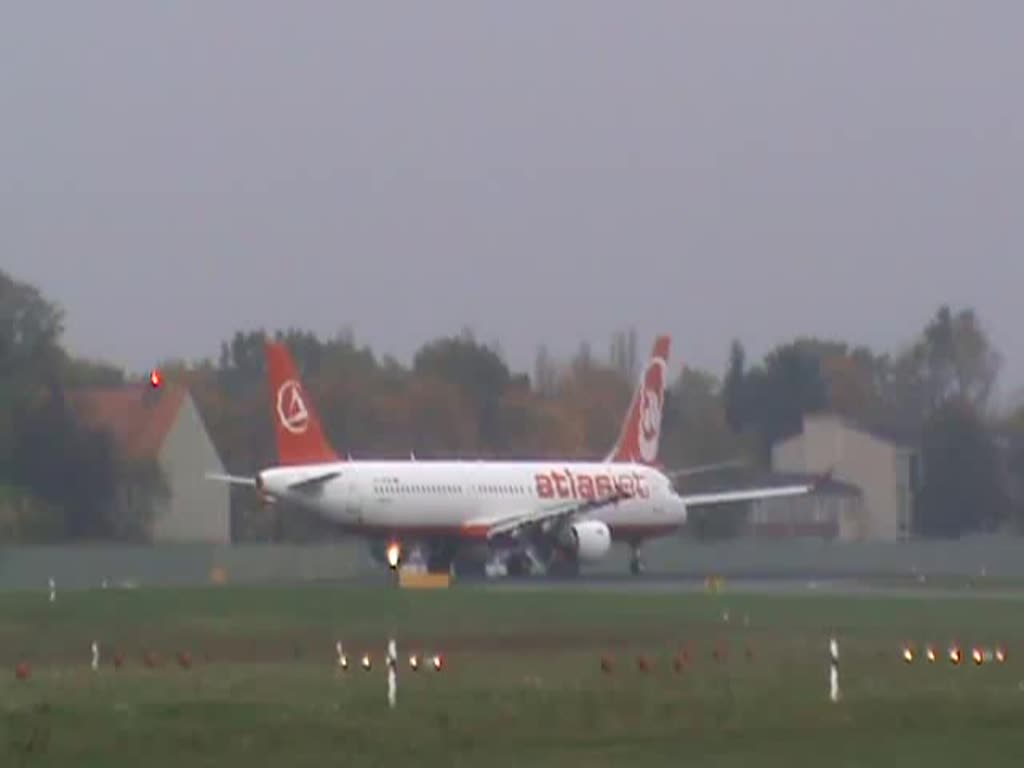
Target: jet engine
589	539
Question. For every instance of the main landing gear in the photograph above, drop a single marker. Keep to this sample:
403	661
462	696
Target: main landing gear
563	566
636	565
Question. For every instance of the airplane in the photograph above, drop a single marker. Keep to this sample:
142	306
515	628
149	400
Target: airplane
547	516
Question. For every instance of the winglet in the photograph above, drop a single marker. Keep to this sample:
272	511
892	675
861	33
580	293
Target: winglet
823	478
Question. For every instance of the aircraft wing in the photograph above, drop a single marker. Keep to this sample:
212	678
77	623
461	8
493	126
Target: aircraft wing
747	494
510	524
305	484
314	482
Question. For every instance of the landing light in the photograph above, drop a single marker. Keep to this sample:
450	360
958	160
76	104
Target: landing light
394	553
438	662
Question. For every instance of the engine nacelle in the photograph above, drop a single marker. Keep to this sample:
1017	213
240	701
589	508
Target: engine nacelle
590	539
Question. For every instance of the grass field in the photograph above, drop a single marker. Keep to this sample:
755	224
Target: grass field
522	683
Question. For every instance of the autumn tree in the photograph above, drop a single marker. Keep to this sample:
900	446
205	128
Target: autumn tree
946	377
594	396
479	374
962	490
695	426
1012	447
623	354
545	373
770	399
48	454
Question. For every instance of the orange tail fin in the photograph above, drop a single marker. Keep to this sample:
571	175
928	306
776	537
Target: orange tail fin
300	438
641	431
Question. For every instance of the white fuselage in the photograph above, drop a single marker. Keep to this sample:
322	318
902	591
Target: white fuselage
460	498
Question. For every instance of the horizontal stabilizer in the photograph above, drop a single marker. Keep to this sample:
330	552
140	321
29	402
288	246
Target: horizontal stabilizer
233	479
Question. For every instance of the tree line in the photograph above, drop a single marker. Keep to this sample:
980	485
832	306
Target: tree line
62	479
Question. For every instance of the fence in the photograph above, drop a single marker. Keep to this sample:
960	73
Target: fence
994	557
88	567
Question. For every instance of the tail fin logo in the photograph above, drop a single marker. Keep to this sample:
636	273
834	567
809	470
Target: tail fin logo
651	404
291	408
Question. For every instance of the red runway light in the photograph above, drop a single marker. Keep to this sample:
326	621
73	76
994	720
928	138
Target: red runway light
156	379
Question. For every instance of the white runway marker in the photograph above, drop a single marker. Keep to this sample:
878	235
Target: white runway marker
392	673
342	658
833	652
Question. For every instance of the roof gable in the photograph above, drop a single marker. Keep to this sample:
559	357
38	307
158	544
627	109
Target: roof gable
137	417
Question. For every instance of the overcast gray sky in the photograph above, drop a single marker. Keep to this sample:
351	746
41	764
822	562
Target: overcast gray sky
542	171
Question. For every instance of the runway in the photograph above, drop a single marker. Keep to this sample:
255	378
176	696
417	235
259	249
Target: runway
791	586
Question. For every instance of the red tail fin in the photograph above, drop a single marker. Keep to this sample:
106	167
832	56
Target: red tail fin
641	431
300	439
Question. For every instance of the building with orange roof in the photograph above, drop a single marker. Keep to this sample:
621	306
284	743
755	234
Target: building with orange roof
162	424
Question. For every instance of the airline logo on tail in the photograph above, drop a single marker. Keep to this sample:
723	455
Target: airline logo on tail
300	436
291	408
651	403
641	431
